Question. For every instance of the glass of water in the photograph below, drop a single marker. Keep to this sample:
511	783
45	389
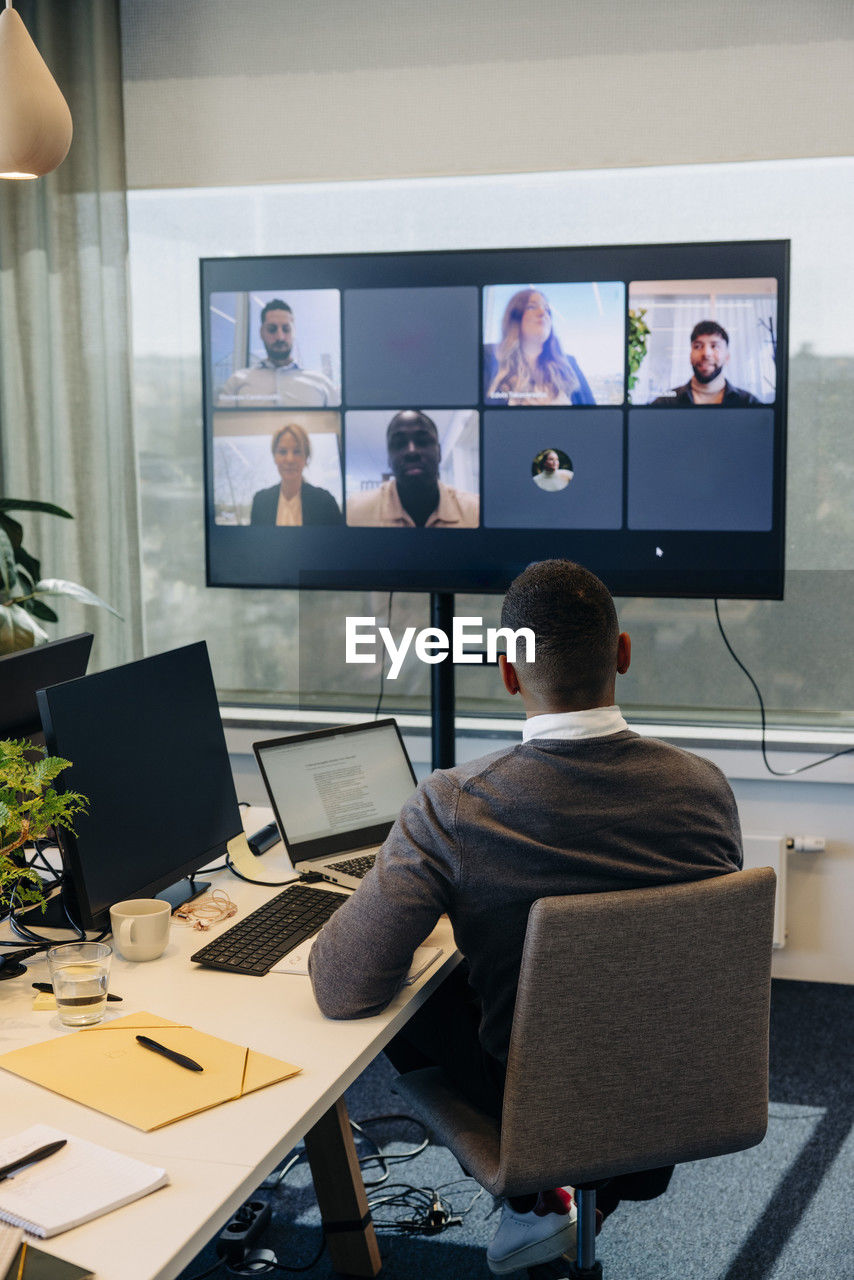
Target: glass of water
80	973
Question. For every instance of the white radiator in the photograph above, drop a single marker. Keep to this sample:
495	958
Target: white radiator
771	851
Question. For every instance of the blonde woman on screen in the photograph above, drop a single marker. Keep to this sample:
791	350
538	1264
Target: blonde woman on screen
529	366
293	501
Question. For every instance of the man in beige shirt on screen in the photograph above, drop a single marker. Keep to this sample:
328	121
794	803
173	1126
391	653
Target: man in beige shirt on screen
415	498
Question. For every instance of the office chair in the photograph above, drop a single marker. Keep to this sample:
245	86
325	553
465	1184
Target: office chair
640	1039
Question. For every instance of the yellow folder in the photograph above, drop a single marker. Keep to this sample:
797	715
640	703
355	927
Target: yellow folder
103	1067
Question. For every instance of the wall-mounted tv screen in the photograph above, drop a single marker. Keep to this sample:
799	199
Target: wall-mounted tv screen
437	421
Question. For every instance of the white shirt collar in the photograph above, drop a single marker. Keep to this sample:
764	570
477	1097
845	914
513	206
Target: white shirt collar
267	363
597	722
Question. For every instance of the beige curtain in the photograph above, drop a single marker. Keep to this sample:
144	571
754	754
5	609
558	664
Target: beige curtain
65	392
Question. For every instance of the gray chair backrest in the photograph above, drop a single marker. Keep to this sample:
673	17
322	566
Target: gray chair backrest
640	1033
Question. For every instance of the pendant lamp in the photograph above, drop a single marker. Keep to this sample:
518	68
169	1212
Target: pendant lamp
35	123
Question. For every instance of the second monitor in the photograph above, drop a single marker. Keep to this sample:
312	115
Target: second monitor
148	750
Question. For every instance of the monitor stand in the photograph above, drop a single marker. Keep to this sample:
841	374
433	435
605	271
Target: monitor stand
183	891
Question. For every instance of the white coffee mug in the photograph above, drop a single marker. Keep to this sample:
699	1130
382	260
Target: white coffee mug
141	927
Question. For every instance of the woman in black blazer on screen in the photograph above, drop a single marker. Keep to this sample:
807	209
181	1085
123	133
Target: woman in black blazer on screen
292	501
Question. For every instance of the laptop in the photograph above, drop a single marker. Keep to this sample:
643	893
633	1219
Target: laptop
335	795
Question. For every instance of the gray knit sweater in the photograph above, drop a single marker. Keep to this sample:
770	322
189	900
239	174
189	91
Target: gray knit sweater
482	841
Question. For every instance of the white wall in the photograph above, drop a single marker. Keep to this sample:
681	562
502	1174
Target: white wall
820	887
219	93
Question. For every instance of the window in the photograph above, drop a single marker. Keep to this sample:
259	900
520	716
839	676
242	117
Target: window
273	646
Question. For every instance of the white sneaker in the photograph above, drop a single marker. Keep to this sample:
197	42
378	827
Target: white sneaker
526	1239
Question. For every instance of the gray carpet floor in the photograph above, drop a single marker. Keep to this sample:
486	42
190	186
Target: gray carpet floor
781	1211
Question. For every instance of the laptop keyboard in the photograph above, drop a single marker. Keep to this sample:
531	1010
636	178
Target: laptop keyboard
357	867
257	942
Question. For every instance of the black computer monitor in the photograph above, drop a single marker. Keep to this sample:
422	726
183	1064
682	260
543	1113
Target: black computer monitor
22	673
148	749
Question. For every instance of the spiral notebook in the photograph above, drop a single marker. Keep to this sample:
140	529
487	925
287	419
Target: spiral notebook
80	1182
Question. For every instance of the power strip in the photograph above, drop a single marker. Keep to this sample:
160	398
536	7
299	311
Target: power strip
238	1235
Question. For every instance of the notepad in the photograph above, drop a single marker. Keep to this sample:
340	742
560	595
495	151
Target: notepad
80	1182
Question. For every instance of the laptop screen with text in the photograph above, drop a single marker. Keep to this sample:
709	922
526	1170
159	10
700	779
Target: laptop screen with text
335	789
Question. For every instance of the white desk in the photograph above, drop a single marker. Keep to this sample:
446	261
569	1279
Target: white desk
217	1159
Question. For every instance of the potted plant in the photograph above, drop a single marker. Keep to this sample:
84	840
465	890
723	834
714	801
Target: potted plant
22	588
29	807
639	332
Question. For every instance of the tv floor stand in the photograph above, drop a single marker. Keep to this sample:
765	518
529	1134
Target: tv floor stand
442	686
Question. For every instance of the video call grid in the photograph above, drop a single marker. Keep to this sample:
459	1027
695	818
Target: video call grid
355	352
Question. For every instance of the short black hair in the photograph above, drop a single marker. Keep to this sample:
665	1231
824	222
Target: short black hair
709	326
574	622
276	305
412	416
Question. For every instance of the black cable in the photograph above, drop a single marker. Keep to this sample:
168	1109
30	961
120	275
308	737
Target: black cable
403	1195
480	1191
385	1158
37	855
420	1201
40	846
433	1218
78	929
280	1266
57	878
378	1155
382	661
403	1191
273	884
428	1215
23	930
398	1115
778	773
30	935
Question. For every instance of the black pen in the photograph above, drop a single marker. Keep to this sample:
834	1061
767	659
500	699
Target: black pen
41	1153
179	1058
46	986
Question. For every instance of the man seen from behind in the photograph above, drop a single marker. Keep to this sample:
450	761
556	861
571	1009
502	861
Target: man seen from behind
581	805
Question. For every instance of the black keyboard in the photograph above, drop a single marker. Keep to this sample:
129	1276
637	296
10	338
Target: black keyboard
357	867
255	944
